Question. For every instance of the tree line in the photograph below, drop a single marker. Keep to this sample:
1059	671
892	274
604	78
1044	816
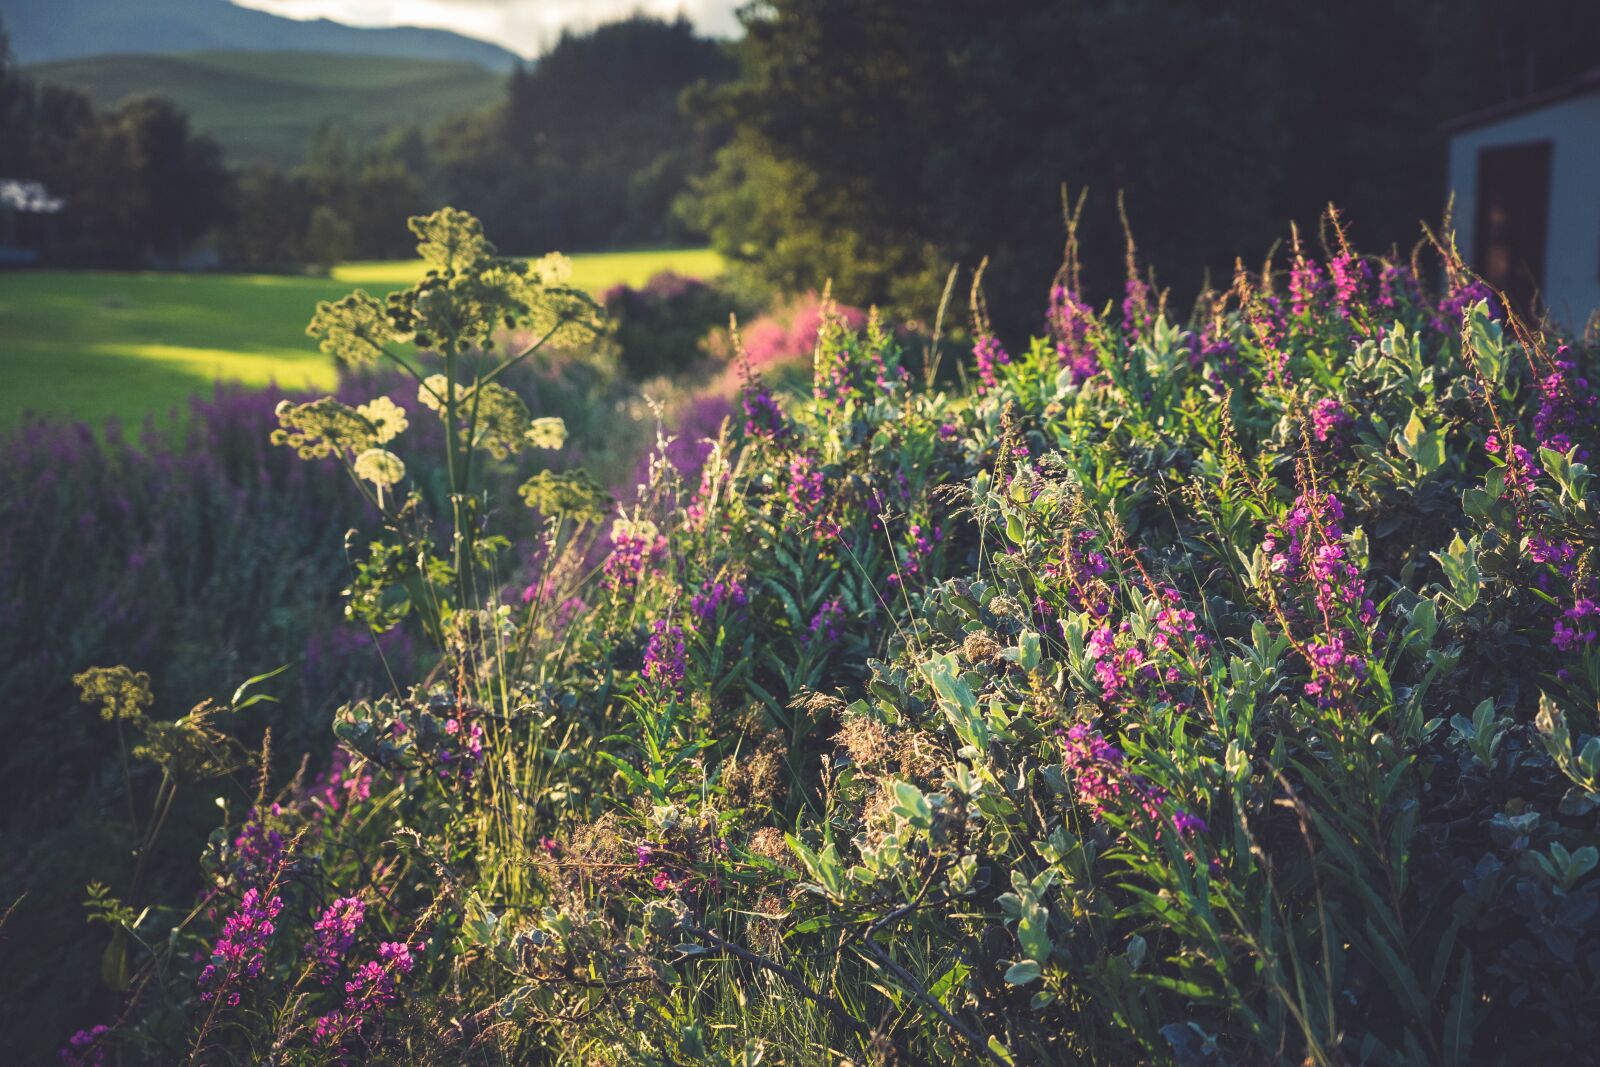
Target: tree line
589	149
876	142
872	143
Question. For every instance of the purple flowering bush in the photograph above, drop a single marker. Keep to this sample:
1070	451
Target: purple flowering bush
1205	689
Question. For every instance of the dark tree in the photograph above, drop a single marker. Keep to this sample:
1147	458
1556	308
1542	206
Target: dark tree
592	146
877	141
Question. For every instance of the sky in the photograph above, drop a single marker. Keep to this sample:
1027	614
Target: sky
528	27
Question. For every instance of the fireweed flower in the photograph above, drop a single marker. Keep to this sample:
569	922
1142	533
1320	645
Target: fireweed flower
912	557
337	787
367	995
1305	286
636	546
1082	570
240	954
713	594
1136	315
1577	626
333	935
1556	556
807	493
86	1048
1307	550
1329	420
1520	468
1456	302
665	659
1396	284
989	354
1130	671
828	622
762	416
257	849
1351	275
1103	783
1568	408
1070	320
1265	317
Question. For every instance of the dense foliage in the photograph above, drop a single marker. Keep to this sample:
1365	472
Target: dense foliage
141	183
1206	689
877	141
201	552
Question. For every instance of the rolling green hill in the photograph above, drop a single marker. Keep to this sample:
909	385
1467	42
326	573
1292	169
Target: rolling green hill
42	30
265	106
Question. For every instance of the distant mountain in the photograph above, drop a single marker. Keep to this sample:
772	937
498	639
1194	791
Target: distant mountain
265	106
43	30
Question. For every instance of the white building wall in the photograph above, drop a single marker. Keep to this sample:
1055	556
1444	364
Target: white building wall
1572	249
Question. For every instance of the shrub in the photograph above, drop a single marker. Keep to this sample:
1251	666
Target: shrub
1208	691
659	327
201	552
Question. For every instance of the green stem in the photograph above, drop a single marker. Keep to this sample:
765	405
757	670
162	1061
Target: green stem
526	352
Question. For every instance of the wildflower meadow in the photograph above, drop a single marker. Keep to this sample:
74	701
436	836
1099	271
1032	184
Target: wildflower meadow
1195	683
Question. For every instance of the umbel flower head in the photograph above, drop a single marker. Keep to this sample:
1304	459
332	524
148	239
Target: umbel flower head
325	427
503	425
380	467
121	692
574	495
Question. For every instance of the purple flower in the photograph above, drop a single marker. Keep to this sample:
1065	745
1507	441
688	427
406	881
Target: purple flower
366	995
762	416
257	848
1351	275
86	1048
1305	286
1454	305
1568	408
1136	314
1070	320
827	623
1102	781
713	594
989	354
1577	625
1396	284
1560	554
240	954
1329	420
636	547
665	659
334	933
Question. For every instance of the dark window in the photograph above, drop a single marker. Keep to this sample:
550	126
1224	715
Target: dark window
1513	219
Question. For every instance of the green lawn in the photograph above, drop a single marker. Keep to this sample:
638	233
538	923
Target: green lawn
94	344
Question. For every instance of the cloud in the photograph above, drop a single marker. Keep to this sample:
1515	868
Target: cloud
525	26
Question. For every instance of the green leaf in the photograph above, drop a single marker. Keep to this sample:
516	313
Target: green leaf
1022	972
1000	1050
1459	1024
114	964
248	682
1033	932
1014	528
1423	446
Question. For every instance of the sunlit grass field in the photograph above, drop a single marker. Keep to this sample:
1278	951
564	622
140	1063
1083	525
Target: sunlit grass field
94	345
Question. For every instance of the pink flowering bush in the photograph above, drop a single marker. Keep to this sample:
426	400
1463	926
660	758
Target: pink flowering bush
1198	689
